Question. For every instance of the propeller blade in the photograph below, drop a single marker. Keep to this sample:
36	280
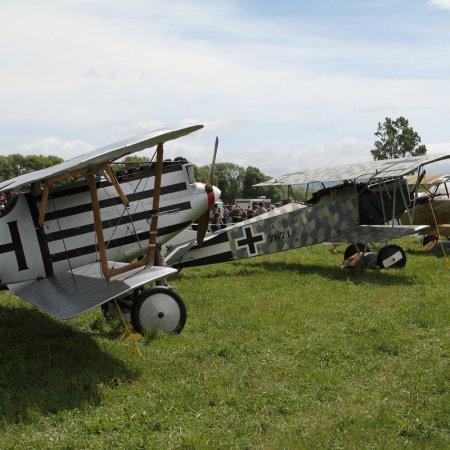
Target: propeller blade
203	220
202	227
213	164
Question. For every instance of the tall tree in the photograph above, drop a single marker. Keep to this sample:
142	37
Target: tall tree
396	139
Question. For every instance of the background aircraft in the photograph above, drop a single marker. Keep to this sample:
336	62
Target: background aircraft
353	205
66	247
432	209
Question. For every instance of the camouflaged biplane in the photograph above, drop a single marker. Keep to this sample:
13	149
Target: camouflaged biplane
353	206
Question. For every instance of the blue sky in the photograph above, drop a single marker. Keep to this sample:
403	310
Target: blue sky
286	85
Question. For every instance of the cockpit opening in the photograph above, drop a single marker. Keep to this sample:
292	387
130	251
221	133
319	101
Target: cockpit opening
7	201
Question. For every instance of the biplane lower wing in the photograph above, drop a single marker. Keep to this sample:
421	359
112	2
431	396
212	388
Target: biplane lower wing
71	293
375	233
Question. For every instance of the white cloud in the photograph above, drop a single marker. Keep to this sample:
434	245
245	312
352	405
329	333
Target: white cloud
277	96
443	4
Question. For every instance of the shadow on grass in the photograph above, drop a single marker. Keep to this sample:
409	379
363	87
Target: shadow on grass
436	251
336	273
46	366
357	276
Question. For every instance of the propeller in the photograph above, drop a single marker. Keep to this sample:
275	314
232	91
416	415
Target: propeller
203	220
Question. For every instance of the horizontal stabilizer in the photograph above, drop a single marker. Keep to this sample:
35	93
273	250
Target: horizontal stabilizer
375	233
71	293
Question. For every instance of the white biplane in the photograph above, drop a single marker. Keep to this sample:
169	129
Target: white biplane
66	247
353	205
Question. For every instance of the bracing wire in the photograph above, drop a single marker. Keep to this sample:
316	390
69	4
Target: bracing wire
130	227
65	247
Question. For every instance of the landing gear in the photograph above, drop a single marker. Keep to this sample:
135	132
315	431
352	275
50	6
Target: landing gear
125	303
391	257
352	249
158	309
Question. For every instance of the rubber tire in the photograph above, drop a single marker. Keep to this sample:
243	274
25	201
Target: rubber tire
352	249
387	252
153	307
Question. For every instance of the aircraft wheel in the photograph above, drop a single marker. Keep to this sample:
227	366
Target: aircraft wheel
352	249
158	308
391	257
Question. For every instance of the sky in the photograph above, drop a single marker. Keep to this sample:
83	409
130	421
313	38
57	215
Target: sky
285	85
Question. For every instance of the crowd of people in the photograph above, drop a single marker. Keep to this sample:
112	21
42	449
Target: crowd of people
5	200
234	213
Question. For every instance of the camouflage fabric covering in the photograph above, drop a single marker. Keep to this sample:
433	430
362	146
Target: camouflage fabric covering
292	226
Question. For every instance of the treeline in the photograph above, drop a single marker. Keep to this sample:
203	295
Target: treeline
237	182
15	165
233	180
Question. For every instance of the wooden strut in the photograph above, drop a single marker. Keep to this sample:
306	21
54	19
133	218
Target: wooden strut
150	259
113	180
49	183
151	254
44	200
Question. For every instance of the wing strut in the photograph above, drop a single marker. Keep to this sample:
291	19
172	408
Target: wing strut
156	195
149	260
50	181
113	180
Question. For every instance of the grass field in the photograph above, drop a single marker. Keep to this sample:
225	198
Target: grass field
285	351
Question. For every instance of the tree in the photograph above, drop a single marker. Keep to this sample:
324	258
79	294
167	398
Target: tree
15	164
230	177
236	182
201	173
252	176
130	161
396	139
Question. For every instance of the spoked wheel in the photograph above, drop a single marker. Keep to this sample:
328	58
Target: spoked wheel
391	257
158	309
352	249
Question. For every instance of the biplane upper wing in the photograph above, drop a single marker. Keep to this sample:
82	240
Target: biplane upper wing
372	170
100	156
71	293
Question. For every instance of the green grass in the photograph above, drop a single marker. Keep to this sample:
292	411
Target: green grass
285	351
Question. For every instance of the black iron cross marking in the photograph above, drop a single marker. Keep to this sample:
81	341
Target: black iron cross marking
250	240
15	246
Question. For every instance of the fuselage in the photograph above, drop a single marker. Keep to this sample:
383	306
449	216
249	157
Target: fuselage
291	226
67	238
